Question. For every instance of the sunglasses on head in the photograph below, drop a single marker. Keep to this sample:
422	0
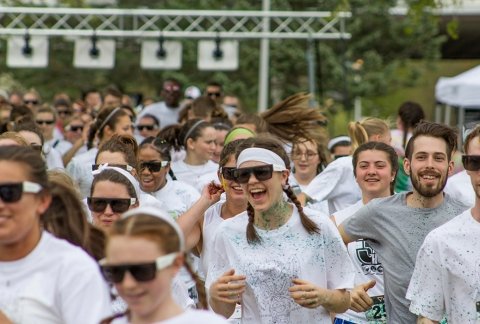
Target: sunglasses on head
471	162
145	127
125	167
44	122
261	173
12	192
118	205
228	173
141	272
153	166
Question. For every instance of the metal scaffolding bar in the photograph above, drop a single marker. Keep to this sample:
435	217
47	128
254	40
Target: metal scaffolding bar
194	24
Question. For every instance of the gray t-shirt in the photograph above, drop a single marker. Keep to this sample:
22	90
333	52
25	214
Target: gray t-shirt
396	232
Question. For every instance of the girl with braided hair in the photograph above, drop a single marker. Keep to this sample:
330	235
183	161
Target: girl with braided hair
282	265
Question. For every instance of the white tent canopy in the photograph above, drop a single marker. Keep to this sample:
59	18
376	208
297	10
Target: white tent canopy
462	90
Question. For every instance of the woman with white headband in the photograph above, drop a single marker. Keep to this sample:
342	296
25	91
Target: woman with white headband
197	137
280	264
109	121
144	252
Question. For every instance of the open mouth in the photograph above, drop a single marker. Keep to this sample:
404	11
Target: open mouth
257	193
237	188
372	180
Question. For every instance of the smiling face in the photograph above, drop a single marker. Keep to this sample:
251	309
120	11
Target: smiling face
46	123
262	195
429	167
233	190
374	173
305	159
219	144
203	147
20	220
144	299
108	189
151	181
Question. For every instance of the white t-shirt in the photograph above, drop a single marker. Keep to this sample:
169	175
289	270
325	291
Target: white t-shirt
321	206
459	187
367	267
336	184
80	169
191	173
53	158
60	145
177	197
188	317
446	278
211	220
56	283
166	115
284	254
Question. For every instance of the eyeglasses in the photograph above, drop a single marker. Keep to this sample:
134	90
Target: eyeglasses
308	155
75	128
37	147
64	112
33	102
214	94
146	127
262	173
44	122
471	162
153	166
118	205
141	272
228	173
12	192
125	167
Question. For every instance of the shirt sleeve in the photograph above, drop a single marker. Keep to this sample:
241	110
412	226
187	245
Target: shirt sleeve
218	263
339	268
322	186
426	286
362	224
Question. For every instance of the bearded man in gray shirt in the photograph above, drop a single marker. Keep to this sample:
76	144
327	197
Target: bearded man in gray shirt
396	226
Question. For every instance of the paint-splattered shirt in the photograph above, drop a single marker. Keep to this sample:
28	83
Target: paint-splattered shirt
447	273
284	254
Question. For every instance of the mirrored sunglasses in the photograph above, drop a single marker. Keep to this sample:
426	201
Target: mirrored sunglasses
141	272
12	192
118	205
471	162
153	166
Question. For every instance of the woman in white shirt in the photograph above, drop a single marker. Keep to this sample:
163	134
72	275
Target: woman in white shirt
197	137
336	183
144	252
375	168
282	265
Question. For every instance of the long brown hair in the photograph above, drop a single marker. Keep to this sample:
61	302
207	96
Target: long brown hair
270	143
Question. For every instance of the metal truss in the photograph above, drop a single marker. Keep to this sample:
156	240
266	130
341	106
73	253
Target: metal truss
194	24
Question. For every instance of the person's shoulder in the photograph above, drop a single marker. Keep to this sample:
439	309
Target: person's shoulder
341	162
237	223
66	253
458	204
452	227
179	185
394	199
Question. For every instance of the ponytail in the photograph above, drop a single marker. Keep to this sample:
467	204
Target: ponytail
357	133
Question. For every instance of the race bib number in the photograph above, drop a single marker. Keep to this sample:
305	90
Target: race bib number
377	313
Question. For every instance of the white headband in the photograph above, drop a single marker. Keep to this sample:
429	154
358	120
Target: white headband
163	215
261	155
190	131
110	115
334	141
127	174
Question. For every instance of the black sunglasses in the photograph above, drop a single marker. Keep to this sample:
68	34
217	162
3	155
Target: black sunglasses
153	166
118	205
64	112
214	94
125	167
141	272
146	127
44	122
12	192
262	173
471	162
228	173
33	102
76	128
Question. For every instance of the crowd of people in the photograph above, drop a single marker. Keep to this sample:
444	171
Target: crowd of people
191	210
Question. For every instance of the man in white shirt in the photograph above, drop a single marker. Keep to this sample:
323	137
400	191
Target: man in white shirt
166	111
446	279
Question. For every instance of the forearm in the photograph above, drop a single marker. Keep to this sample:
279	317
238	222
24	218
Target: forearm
424	320
68	156
224	309
336	300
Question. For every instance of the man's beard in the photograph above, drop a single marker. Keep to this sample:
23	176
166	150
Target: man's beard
428	192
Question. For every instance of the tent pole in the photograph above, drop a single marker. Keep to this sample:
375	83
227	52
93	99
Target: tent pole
448	113
461	122
438	113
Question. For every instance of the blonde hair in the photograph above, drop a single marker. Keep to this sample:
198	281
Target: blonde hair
361	131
